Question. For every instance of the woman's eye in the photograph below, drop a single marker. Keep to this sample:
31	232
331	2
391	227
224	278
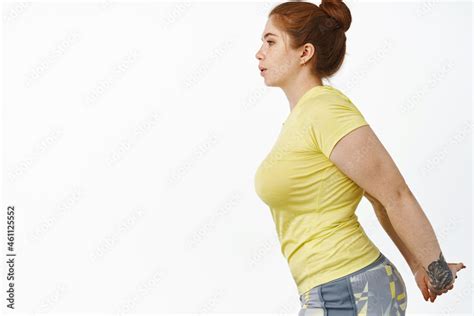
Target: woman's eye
270	42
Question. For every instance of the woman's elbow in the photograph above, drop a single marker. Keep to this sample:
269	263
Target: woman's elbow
396	199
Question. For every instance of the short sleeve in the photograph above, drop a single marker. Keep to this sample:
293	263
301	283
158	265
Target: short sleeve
330	117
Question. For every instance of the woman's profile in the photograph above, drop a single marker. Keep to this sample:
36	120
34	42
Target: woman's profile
326	158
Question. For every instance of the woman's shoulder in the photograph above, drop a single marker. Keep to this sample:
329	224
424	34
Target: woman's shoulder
326	99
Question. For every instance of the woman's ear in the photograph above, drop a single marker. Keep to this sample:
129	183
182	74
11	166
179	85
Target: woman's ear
307	52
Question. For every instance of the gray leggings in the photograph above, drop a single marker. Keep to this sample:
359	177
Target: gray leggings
377	289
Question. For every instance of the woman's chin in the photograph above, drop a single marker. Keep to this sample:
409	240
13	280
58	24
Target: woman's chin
269	83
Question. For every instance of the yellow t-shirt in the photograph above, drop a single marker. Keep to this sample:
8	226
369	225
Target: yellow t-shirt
311	201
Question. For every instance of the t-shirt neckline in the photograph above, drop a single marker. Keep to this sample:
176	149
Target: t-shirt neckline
303	98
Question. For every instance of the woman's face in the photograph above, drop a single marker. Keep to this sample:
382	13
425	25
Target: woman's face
280	61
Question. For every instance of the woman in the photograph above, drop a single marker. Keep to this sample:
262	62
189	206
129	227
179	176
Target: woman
325	159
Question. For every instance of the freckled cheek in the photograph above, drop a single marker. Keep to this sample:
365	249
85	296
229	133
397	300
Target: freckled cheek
278	67
272	63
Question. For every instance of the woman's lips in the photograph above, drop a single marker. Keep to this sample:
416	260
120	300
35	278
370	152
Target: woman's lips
262	72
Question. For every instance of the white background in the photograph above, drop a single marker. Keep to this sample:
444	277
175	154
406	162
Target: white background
132	132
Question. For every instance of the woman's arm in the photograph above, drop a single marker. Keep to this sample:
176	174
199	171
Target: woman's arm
362	157
382	217
415	267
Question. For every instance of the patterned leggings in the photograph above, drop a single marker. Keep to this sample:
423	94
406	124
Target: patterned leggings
377	289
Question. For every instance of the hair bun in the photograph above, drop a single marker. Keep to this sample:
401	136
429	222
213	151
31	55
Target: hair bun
337	10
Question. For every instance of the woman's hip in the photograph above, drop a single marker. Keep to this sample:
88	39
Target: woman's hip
377	287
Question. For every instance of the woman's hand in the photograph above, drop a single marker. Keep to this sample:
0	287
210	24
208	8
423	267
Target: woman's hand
424	284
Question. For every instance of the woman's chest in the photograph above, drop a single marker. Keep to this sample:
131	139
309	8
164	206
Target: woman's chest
291	171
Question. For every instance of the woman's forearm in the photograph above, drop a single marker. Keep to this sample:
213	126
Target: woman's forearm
384	220
414	229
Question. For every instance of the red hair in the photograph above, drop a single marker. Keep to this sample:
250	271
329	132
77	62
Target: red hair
322	26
